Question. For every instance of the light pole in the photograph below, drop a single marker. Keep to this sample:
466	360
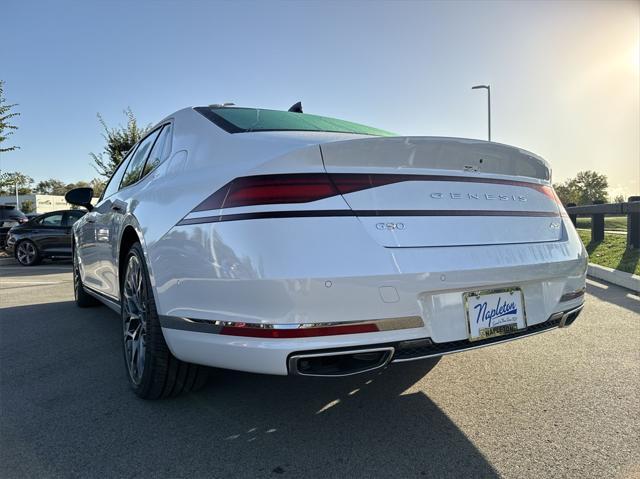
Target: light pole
488	88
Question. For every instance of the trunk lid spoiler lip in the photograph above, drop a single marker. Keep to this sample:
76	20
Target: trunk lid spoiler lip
428	153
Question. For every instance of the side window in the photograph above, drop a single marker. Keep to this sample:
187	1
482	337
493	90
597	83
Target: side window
73	216
52	220
160	151
135	166
114	181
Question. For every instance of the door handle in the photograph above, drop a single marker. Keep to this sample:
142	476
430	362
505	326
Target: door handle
118	206
91	219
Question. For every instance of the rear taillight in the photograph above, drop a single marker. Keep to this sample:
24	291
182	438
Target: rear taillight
352	182
550	193
292	188
307	187
270	189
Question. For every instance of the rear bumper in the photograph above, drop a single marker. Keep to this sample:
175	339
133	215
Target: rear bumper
281	356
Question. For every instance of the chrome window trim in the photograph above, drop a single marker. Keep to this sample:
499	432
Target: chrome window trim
156	131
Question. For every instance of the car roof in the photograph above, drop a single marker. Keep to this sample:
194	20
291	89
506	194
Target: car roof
10	211
61	211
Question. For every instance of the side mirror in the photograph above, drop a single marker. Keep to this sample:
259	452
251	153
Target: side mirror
80	197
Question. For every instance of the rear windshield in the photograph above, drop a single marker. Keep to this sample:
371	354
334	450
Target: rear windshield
244	120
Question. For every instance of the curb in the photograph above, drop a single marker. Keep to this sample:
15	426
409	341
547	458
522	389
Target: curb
619	278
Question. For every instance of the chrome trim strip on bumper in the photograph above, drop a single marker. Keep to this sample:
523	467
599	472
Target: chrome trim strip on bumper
293	360
215	327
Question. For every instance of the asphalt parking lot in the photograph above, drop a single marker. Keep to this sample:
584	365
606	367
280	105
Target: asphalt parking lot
561	404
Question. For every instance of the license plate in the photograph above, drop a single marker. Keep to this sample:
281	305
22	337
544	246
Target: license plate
494	312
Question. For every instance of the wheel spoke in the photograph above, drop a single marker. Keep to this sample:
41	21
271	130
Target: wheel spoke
133	359
134	326
140	358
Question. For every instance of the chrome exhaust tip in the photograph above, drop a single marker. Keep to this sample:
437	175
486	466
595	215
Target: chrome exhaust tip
568	317
339	363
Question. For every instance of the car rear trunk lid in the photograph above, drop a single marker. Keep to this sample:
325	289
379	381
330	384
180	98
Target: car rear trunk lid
445	192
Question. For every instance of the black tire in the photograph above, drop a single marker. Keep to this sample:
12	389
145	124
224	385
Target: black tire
83	299
27	253
163	375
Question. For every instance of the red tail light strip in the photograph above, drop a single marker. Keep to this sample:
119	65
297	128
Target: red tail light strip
299	332
270	189
287	331
308	187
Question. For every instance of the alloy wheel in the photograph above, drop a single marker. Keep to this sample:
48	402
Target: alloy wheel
134	319
76	276
26	252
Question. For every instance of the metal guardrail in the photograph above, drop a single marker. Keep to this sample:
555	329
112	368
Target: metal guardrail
597	211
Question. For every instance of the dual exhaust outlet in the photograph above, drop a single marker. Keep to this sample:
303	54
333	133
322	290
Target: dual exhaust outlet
340	363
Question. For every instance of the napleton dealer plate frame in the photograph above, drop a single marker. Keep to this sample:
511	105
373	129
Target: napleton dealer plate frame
484	292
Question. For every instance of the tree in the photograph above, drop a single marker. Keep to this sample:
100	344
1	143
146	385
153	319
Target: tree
586	188
51	187
27	207
78	184
592	186
8	181
6	128
619	199
567	192
119	141
98	186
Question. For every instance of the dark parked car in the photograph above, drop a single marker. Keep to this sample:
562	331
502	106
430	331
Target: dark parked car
10	216
45	236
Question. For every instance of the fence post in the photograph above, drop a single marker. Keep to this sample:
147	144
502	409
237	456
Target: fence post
572	216
633	226
597	224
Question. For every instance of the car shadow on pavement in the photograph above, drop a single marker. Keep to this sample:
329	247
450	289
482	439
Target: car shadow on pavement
614	294
13	269
360	426
67	410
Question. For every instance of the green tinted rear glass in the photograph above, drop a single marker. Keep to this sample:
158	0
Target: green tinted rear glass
244	120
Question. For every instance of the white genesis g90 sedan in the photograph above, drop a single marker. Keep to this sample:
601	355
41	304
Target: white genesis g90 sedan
280	242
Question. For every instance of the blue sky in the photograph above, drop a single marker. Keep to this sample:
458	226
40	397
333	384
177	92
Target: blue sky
564	75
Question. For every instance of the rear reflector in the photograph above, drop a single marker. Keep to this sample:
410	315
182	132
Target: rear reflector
572	295
253	332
